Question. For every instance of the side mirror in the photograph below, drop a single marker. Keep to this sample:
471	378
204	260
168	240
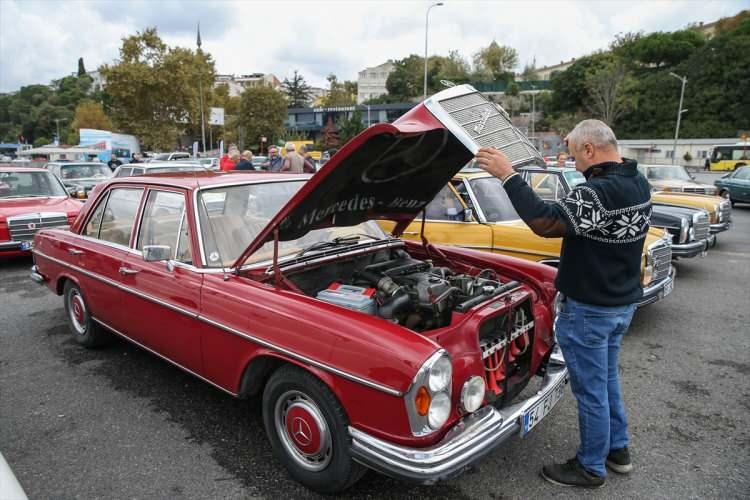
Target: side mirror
156	253
468	215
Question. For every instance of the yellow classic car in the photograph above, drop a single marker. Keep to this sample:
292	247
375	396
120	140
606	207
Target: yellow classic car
719	209
473	211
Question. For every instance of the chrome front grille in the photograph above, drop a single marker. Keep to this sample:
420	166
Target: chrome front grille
725	212
662	255
698	190
701	226
486	124
23	227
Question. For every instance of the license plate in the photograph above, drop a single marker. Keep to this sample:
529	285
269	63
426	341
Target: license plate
668	287
27	245
541	409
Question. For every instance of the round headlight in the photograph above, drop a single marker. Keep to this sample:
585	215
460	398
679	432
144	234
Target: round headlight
472	394
440	375
440	408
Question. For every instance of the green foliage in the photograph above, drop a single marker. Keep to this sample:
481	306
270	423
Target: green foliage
611	91
405	82
88	114
569	87
658	49
297	91
340	94
329	135
262	113
41	141
687	156
495	62
351	126
155	89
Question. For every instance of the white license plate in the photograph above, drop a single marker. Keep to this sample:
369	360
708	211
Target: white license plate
27	245
668	287
541	409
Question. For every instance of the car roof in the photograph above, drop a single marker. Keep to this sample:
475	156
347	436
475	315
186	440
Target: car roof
10	168
76	163
199	179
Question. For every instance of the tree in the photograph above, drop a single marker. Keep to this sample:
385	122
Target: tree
340	94
351	126
610	90
495	62
297	91
262	113
660	49
564	123
89	114
405	81
81	67
329	135
154	89
529	72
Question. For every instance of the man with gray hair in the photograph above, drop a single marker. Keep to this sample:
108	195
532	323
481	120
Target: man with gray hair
603	223
293	162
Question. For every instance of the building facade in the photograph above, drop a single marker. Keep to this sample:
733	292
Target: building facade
238	83
371	81
660	151
310	121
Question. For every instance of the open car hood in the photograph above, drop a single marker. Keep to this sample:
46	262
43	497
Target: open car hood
391	171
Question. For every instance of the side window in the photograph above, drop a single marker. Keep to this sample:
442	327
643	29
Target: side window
119	216
164	223
445	206
124	172
95	222
546	185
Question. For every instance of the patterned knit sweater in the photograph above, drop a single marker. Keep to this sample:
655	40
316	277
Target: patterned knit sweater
603	223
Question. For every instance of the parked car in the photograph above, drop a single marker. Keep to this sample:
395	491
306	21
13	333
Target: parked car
688	227
80	178
719	209
169	156
473	211
210	163
258	162
674	178
735	186
369	351
158	167
31	199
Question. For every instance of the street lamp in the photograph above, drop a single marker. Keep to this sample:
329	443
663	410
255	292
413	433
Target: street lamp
683	79
426	27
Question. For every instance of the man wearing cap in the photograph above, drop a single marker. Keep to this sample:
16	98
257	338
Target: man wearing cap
603	223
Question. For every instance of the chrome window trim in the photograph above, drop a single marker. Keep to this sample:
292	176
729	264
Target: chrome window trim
252	338
200	189
481	219
178	192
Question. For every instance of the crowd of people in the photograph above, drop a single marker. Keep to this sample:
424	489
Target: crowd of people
294	161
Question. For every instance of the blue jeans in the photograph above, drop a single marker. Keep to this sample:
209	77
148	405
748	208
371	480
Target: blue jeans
589	337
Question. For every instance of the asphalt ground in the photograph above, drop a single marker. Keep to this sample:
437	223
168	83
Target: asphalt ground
121	423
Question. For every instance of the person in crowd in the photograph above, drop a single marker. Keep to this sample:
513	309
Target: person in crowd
309	166
224	161
136	158
603	222
293	163
114	162
562	157
246	162
273	164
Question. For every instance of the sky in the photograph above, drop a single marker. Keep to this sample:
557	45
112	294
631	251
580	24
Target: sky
42	40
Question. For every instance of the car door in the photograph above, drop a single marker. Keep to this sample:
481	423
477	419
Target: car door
447	222
164	297
740	184
100	250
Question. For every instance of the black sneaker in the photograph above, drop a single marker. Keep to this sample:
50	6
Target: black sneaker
571	473
619	461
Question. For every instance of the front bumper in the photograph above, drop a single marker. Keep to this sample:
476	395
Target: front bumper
687	250
13	248
658	290
470	439
720	227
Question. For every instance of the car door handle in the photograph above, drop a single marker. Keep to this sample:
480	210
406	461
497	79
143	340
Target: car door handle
126	271
73	251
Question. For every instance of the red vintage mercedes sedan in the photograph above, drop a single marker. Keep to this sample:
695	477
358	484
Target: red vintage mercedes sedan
31	199
369	351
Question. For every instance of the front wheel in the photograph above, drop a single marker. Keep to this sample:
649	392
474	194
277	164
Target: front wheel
85	330
308	430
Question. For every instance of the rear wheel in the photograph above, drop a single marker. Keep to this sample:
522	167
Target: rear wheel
308	430
85	330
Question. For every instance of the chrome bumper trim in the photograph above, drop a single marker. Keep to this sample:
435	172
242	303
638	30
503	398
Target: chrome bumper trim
36	276
471	438
10	245
689	249
655	292
719	227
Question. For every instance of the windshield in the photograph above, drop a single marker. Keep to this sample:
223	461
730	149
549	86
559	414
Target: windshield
29	184
667	173
161	157
574	178
493	200
85	172
232	217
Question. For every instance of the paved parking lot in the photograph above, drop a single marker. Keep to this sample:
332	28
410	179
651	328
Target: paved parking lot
120	423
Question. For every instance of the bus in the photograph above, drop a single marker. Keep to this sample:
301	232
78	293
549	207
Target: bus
730	157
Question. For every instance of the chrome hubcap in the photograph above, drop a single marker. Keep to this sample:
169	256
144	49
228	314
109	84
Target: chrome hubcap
77	312
302	430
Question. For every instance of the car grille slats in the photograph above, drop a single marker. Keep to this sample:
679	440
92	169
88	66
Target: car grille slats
701	227
662	260
696	190
487	125
23	227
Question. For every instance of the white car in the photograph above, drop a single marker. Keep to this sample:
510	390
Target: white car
170	156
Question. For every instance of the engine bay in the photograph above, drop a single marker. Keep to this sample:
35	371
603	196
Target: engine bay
394	286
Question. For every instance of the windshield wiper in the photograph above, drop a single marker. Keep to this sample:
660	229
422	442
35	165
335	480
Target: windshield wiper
319	245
